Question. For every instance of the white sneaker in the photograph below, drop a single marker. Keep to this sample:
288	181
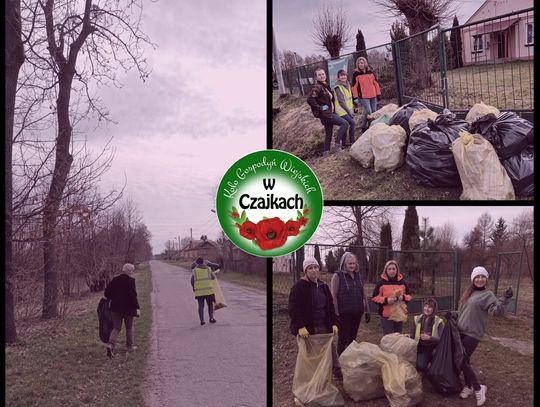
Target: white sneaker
466	392
481	395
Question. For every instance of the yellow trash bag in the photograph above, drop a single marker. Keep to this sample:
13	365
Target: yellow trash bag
361	365
398	310
400	345
312	382
481	173
403	385
218	296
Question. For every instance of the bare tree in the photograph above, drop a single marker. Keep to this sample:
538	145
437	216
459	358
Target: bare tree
331	32
419	15
523	230
290	59
446	234
310	59
14	58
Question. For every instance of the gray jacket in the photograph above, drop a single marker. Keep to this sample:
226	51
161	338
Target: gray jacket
474	312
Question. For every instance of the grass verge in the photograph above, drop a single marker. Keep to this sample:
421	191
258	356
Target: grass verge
67	365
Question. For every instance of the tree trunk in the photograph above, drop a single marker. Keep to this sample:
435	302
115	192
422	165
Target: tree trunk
14	53
54	197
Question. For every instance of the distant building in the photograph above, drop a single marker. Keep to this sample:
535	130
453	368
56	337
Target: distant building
499	40
282	264
207	249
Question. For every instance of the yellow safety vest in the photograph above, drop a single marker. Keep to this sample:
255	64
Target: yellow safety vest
436	324
202	282
348	100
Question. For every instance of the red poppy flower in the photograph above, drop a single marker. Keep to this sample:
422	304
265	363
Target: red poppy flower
247	229
303	221
271	233
306	211
235	215
293	227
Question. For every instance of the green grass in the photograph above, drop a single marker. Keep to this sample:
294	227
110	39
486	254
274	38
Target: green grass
67	365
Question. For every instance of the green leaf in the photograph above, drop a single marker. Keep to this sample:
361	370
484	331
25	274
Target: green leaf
265	217
234	209
254	241
243	216
299	214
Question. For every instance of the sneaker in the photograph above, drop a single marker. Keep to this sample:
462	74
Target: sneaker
110	352
466	392
212	321
202	322
481	395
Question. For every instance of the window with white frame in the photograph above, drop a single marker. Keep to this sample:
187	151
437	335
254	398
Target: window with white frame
530	34
478	43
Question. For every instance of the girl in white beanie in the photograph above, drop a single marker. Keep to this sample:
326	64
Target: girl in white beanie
476	304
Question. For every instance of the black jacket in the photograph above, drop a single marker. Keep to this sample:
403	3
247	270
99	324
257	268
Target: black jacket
123	295
301	306
320	95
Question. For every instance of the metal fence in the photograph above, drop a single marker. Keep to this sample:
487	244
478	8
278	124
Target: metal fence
489	60
427	273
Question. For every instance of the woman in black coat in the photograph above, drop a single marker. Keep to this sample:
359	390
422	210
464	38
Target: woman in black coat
122	294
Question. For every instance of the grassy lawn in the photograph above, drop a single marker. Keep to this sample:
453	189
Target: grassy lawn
493	363
248	280
66	365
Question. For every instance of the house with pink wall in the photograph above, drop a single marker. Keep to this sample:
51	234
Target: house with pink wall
502	38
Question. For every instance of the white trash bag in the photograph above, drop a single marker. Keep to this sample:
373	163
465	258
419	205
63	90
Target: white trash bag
480	110
388	142
421	116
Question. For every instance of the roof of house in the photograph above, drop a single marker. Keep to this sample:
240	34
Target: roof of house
477	11
197	244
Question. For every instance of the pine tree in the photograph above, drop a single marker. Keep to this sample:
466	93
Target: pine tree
383	254
410	240
317	255
360	45
331	264
499	236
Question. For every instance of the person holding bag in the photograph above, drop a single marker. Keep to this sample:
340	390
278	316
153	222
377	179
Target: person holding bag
365	89
350	301
475	305
391	293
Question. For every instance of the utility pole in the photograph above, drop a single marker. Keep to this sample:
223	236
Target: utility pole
191	234
277	66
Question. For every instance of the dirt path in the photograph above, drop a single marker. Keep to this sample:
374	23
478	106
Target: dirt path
222	364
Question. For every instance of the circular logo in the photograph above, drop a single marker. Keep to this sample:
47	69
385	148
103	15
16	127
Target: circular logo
269	203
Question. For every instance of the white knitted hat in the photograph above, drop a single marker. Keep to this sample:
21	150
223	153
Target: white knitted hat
479	271
128	268
308	261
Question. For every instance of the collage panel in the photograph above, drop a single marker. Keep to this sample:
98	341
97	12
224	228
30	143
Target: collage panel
385	103
406	305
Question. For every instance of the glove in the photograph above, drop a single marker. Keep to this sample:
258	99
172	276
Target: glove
324	108
334	329
303	332
138	313
508	293
356	101
391	300
368	317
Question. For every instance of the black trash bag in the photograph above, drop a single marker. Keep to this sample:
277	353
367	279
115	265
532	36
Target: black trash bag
402	116
105	320
520	169
448	360
429	154
508	133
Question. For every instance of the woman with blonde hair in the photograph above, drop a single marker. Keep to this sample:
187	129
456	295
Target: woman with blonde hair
365	89
475	305
390	289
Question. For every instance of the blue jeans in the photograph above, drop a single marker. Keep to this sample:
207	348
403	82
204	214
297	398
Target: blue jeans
210	302
352	127
329	123
389	327
423	357
369	105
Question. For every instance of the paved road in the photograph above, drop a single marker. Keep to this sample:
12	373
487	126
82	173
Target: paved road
222	364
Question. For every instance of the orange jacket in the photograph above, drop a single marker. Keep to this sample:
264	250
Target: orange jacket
385	289
365	85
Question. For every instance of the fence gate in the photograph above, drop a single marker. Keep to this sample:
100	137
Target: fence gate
508	274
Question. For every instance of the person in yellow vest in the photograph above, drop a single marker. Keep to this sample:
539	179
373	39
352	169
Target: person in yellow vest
344	105
201	281
426	331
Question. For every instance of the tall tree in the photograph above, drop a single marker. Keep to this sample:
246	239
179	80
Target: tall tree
360	45
317	255
107	34
499	235
485	226
523	230
410	240
455	43
331	262
420	15
14	58
446	234
331	29
385	241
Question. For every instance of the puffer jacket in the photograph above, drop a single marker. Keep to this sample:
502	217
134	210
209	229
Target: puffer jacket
321	95
386	288
365	85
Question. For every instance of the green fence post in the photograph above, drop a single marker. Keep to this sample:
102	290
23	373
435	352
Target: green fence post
443	67
519	280
457	279
397	69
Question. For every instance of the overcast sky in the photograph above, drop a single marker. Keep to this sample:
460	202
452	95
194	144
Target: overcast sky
293	22
464	218
202	108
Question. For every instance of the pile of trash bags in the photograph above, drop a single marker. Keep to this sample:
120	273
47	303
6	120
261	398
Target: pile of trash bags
496	149
369	372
